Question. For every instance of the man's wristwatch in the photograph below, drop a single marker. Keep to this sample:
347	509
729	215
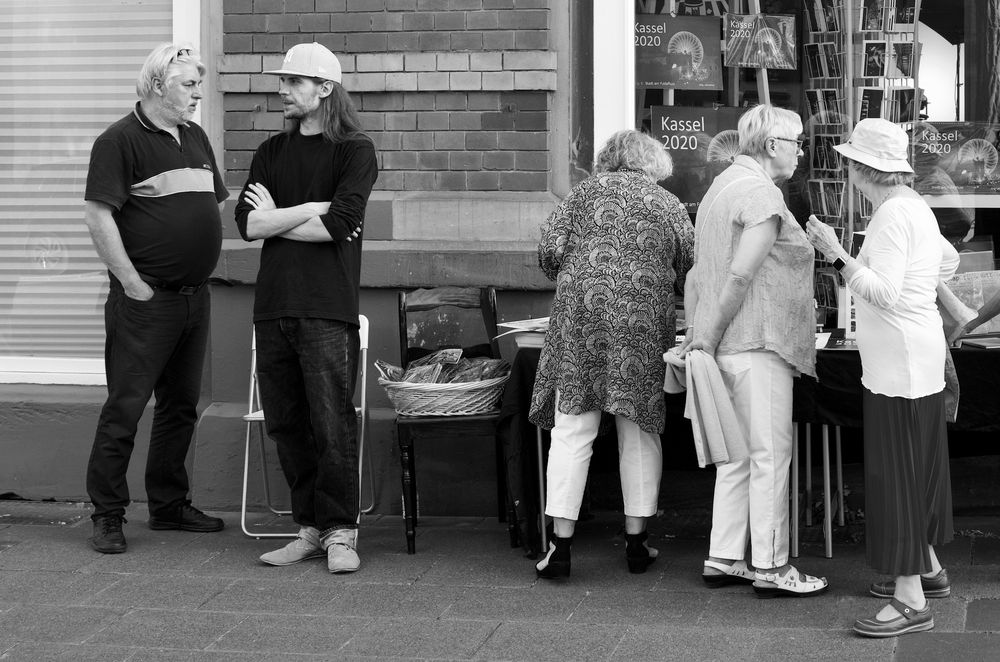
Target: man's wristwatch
839	264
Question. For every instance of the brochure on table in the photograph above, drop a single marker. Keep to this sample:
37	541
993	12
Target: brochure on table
527	333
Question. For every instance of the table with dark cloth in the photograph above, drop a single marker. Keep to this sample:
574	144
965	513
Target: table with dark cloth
518	438
835	399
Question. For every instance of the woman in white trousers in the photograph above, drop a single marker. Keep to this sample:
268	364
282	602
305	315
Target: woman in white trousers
749	301
617	247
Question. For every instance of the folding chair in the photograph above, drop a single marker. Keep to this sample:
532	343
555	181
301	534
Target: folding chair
255	418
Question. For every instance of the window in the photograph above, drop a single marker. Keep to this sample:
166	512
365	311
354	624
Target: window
69	72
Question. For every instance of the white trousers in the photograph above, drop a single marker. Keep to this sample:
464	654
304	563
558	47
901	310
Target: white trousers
640	461
753	493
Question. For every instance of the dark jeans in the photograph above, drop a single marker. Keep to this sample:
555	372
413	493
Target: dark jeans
152	347
307	370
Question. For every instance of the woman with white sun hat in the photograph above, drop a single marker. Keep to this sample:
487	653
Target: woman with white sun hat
901	341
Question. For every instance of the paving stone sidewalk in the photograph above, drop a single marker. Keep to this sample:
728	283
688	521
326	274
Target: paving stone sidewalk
466	594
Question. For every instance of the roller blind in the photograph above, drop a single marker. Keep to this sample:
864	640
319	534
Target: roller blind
67	71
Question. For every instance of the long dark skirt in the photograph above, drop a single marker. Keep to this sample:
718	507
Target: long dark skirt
907	482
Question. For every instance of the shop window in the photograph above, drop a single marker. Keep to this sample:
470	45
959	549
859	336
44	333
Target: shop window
689	98
69	72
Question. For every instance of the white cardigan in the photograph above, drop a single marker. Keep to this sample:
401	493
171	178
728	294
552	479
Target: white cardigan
899	329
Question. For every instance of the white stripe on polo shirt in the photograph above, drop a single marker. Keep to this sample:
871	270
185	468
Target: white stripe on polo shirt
182	180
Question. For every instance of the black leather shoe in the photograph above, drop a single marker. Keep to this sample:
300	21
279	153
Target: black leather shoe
938	586
186	518
909	620
108	537
638	555
556	564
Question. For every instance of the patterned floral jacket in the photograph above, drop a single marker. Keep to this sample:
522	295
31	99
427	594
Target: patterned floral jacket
618	248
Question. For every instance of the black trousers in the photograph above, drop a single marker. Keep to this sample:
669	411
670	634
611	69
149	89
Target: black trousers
152	347
308	369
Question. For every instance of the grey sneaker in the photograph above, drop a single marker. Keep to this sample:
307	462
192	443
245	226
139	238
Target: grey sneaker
341	551
306	546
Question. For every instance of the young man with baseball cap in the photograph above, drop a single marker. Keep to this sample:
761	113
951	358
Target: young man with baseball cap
306	197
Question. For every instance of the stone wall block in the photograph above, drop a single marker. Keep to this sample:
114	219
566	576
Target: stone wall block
534	80
529	60
498	80
239	64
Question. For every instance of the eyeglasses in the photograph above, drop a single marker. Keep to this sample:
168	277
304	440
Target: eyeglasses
798	141
181	52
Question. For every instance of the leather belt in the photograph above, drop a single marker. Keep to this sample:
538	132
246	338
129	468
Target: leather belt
186	290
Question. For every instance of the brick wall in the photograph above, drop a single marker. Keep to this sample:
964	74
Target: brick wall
456	93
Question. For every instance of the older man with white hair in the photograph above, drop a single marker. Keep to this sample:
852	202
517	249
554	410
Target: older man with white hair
153	201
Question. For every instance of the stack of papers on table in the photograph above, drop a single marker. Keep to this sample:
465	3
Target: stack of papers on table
985	342
528	333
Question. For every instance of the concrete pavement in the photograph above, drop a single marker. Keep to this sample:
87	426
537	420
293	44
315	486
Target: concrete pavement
464	595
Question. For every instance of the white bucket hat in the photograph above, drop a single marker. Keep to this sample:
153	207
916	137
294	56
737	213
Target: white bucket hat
878	143
310	61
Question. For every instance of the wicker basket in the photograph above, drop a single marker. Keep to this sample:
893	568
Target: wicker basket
455	399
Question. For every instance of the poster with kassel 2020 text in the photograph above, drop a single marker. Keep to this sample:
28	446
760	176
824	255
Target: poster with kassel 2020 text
702	143
680	52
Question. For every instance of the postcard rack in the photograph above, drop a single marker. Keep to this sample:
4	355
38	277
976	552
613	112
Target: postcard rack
860	59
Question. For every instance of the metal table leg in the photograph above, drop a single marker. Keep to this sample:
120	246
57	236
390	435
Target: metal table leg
840	478
541	489
795	490
827	513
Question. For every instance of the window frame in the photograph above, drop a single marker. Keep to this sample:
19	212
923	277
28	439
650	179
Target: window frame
188	20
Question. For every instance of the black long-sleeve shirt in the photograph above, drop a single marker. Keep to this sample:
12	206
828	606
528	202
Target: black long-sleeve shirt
312	279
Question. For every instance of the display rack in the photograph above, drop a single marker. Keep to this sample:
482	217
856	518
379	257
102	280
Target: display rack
861	59
827	65
884	80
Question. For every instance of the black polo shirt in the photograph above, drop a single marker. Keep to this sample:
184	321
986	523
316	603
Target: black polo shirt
165	196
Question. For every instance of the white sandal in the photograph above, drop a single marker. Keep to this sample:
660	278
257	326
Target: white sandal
737	573
792	584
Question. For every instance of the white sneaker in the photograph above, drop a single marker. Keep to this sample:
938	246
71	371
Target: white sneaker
341	552
306	546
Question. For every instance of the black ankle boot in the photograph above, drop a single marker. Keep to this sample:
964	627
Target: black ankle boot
556	563
636	552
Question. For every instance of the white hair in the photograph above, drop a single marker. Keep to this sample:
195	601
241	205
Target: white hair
158	63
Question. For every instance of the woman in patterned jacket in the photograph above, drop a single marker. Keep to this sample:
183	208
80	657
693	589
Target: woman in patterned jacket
618	247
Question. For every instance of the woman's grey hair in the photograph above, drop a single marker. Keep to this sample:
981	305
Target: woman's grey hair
881	177
765	121
634	150
158	63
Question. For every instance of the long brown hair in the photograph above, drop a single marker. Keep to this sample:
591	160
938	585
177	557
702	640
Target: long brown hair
339	116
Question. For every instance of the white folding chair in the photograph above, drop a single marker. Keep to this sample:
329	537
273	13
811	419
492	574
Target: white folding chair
255	418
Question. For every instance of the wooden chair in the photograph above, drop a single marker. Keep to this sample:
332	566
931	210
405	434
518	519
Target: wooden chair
441	311
254	418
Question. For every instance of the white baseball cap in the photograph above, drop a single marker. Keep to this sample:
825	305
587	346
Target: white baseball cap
311	61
